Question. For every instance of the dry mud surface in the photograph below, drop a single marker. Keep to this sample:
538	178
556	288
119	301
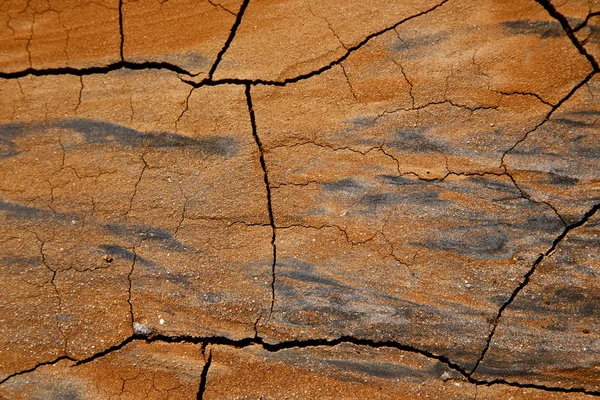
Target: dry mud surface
299	199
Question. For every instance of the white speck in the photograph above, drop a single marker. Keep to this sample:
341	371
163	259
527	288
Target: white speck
161	321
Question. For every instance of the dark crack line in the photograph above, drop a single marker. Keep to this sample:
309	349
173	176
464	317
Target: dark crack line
203	377
263	164
122	45
25	371
527	277
586	21
209	81
547	117
549	7
136	66
234	28
310	343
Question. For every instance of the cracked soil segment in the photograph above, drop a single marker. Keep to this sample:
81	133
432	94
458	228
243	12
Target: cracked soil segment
299	199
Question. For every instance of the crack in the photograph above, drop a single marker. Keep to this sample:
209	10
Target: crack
547	117
135	188
80	94
527	277
204	376
234	28
35	367
130	285
210	81
185	109
549	7
269	200
585	22
348	81
122	44
537	96
310	343
219	5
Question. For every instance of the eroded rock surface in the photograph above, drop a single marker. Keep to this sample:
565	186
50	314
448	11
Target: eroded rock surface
284	199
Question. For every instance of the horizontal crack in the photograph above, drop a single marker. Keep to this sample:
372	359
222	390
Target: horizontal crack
309	343
209	81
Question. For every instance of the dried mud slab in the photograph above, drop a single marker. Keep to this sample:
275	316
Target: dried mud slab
135	212
58	34
299	199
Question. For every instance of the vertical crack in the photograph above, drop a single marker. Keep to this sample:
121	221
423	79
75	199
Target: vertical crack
527	277
236	24
268	188
121	30
203	377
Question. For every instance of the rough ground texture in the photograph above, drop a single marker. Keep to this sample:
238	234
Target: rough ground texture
299	199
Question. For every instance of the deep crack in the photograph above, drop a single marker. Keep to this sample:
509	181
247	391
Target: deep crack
263	164
236	24
527	277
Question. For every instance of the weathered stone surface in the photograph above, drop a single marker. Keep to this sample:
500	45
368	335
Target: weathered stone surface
282	199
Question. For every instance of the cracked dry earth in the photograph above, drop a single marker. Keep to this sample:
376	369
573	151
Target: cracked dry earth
299	199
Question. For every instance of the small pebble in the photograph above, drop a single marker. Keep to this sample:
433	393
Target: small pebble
142	329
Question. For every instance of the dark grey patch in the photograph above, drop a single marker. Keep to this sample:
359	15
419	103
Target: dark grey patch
573	123
421	41
480	243
100	132
163	238
541	223
495	184
195	60
379	199
377	369
118	251
544	29
121	252
561	180
8	133
30	261
305	272
59	393
416	141
212	298
399	180
343	185
363	123
26	212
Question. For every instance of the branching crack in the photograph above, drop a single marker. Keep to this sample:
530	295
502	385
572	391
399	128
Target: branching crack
268	190
236	24
209	81
527	277
549	7
547	117
309	343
